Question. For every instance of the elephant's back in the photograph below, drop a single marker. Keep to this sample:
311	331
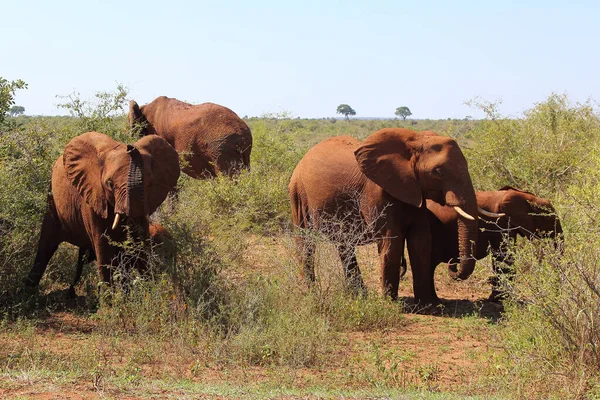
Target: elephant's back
491	200
206	127
209	120
328	173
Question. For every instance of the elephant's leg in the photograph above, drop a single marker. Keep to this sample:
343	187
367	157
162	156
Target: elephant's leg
50	238
85	256
306	256
502	265
351	270
403	263
419	250
140	260
391	255
105	259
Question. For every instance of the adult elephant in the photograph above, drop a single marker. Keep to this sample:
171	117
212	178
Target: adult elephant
504	214
101	191
159	237
357	193
211	138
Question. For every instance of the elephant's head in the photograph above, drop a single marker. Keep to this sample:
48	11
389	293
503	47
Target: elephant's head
413	166
124	180
534	217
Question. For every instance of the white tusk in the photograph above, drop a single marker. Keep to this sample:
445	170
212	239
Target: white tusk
116	222
462	213
490	214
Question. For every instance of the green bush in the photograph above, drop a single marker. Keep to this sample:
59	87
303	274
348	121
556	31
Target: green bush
550	328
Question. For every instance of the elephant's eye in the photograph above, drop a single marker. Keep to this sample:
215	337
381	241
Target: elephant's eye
438	171
109	183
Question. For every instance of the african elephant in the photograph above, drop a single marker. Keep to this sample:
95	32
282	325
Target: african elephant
159	236
211	138
357	193
507	213
102	190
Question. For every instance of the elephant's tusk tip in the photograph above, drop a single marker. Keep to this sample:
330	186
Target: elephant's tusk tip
116	221
463	213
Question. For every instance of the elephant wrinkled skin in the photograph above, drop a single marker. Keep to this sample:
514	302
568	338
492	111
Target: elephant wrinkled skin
100	190
211	138
357	193
525	215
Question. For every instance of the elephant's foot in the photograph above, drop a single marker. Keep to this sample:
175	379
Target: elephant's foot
427	307
31	282
71	293
497	296
426	295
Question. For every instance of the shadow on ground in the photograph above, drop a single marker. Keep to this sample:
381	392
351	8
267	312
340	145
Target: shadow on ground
489	310
31	303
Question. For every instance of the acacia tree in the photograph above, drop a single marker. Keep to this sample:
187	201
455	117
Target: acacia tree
16	110
403	112
346	111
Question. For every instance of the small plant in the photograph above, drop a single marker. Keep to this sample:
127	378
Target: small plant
100	115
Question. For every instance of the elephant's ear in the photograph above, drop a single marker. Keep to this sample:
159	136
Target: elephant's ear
385	158
136	117
83	160
164	167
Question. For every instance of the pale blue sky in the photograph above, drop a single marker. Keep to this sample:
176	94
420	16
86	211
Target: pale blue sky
306	57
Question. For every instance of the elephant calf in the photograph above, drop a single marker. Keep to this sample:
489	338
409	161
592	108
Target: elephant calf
521	214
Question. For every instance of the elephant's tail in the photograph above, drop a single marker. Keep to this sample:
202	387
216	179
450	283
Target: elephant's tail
300	216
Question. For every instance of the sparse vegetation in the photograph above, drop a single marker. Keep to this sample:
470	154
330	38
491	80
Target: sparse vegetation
231	308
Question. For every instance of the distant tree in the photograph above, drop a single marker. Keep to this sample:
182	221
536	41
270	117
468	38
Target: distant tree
403	112
345	110
7	92
16	110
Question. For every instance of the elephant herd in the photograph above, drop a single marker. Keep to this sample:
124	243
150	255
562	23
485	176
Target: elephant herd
103	192
395	187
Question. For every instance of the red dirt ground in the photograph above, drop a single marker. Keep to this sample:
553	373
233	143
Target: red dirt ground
435	352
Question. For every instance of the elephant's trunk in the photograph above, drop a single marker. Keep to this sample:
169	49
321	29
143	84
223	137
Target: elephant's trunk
135	183
467	235
467	230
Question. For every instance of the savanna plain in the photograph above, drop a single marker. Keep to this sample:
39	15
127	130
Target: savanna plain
227	315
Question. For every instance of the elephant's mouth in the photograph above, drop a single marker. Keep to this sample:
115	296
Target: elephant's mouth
134	224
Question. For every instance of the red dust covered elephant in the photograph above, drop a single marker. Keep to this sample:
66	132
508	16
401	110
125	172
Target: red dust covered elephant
211	138
101	191
375	190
